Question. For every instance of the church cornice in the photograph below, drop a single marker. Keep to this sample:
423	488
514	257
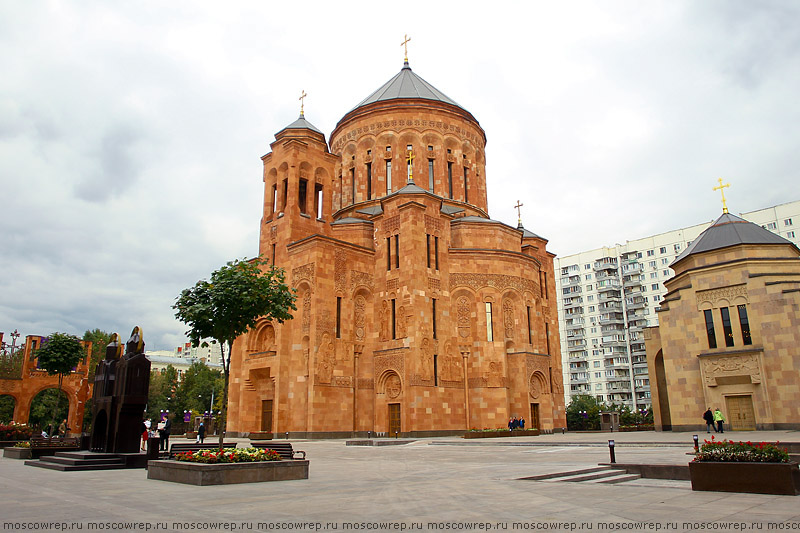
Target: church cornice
317	238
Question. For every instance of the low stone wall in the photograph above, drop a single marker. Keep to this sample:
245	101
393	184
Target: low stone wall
17	453
680	472
501	433
226	473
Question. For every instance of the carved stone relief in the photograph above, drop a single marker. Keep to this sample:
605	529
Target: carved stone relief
727	366
360	318
340	271
427	359
713	296
392	224
391	285
508	318
495	377
303	272
325	360
500	282
400	329
432	225
307	312
358	279
434	284
393	386
419	125
463	316
391	360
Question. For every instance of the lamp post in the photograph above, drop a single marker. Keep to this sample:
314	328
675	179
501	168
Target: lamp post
611	451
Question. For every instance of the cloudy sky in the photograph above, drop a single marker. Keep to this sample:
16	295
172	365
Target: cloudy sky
131	132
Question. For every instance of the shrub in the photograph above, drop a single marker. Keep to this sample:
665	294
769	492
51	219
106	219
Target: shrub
229	455
15	432
22	444
728	451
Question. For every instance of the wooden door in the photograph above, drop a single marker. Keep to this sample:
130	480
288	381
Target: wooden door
266	415
741	416
536	422
394	419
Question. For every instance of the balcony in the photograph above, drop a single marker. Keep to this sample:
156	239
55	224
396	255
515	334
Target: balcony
629	268
611	318
631	282
637	303
573	302
571	282
609	285
620	387
605	274
574	327
574	379
609	297
576	335
610	306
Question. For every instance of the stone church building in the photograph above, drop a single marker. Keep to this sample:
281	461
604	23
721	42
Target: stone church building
729	332
416	312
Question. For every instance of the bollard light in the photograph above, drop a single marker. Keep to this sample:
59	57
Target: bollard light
611	451
696	440
395	434
287	435
563	431
369	434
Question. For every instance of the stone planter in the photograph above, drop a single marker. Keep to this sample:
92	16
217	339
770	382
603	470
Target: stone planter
759	478
17	453
226	473
501	433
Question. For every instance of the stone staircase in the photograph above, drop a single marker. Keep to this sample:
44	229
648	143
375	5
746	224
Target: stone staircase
79	461
599	474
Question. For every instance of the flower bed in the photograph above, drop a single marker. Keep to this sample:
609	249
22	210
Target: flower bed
493	433
640	427
727	466
229	455
15	432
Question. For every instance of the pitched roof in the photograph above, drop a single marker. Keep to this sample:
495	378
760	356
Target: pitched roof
730	230
300	124
406	84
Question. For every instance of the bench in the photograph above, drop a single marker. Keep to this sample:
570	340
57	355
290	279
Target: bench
283	448
50	445
180	447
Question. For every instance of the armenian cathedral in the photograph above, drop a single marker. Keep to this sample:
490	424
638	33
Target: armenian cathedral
417	314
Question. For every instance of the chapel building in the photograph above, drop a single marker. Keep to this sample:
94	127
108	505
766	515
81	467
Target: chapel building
417	314
729	332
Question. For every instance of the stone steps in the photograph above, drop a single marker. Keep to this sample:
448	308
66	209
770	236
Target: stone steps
600	474
79	461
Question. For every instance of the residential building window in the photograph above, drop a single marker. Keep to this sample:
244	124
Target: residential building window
654	286
656	298
664	260
744	324
597	365
712	338
790	234
772	225
591	309
662	250
665	273
726	326
588	277
590	298
653	275
652	264
338	317
677	248
587	266
651	253
588	288
489	335
787	222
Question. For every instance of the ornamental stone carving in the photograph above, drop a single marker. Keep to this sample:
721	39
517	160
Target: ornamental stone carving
501	282
361	279
508	318
715	367
325	360
427	359
360	318
729	294
390	360
432	225
392	224
537	385
393	386
384	321
495	377
303	272
307	312
401	329
340	271
463	312
420	125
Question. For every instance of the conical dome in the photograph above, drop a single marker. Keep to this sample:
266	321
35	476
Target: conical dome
406	84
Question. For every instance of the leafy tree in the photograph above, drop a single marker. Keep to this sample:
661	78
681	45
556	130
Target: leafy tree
6	409
59	354
161	397
583	412
230	304
99	340
42	407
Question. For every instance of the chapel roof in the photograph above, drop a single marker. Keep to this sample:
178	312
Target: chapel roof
300	124
730	230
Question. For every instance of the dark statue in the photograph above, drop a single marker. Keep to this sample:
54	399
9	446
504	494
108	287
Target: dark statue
121	384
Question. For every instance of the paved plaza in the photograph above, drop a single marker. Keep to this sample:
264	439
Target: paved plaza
430	484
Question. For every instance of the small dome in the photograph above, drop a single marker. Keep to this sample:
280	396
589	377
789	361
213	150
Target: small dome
301	124
406	84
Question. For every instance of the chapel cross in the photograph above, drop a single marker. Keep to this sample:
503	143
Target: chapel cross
302	98
519	213
721	189
404	44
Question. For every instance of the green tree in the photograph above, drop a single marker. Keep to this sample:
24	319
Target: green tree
230	304
6	409
59	354
99	340
583	412
161	396
42	407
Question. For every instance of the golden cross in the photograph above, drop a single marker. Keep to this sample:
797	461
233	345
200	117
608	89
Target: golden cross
721	189
519	213
302	97
410	159
404	44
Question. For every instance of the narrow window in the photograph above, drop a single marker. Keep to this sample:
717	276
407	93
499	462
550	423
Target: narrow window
436	251
428	248
285	194
450	179
318	195
389	177
435	370
430	173
338	317
397	251
273	254
369	181
712	338
466	197
341	191
388	253
409	168
530	334
547	336
744	323
489	336
275	198
727	329
353	185
301	195
433	311
394	322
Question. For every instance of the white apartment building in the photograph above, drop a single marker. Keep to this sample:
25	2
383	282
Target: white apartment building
608	295
182	358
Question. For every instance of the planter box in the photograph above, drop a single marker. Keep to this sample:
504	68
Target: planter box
759	478
17	453
226	473
501	433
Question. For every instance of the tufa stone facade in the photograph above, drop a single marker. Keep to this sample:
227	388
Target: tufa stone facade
416	313
729	332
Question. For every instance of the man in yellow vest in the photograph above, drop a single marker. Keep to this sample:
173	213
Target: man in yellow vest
719	419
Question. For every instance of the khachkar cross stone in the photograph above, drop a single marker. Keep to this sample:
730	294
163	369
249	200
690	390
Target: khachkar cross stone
404	44
519	213
721	189
302	100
